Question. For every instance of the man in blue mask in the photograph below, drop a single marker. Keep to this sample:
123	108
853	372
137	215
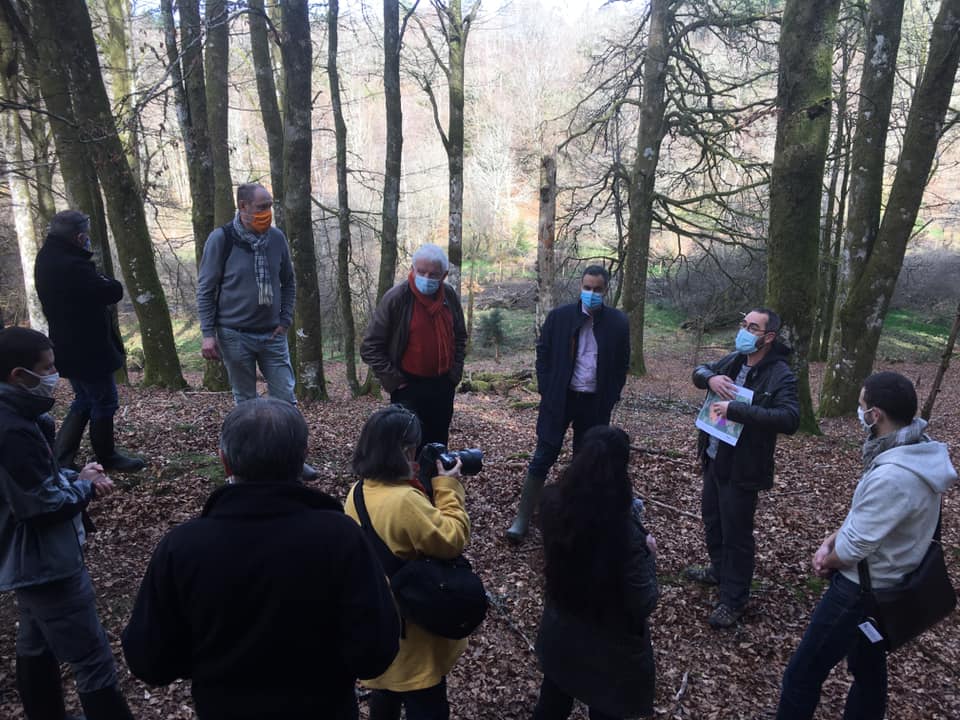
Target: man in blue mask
582	361
734	474
416	343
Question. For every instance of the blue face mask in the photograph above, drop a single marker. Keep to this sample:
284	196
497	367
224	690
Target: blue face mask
746	342
427	286
591	300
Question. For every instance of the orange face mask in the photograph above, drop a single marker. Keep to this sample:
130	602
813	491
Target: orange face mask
260	222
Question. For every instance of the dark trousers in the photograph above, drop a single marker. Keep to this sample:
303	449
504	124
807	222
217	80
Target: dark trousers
728	520
95	398
431	399
555	704
833	634
427	704
582	410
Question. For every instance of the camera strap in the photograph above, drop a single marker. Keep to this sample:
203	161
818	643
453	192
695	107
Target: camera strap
390	562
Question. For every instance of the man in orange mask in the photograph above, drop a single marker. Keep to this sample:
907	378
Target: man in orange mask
245	296
416	343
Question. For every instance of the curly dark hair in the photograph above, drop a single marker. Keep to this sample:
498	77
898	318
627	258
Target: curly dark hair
585	519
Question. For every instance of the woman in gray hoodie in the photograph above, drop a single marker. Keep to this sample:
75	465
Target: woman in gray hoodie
892	519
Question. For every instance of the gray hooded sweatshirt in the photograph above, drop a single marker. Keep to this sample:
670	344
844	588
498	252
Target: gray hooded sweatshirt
895	507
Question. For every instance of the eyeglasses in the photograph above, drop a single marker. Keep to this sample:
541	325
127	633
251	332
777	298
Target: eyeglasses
752	328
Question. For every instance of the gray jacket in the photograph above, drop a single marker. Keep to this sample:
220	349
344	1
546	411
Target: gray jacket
41	532
227	291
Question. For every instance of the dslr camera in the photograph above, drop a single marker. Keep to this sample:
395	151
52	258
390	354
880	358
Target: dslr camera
471	459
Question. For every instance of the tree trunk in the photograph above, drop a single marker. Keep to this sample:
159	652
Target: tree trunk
343	204
124	204
803	132
643	179
116	50
942	369
546	235
861	315
40	135
216	66
394	149
297	148
191	103
267	97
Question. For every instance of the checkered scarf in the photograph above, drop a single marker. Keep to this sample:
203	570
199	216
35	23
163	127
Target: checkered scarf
261	267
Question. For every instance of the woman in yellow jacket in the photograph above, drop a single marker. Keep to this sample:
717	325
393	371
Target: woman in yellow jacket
403	516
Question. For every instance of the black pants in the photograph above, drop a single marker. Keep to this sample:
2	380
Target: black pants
582	410
555	704
728	520
427	704
431	399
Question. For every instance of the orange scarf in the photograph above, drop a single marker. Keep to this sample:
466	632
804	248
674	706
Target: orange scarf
429	351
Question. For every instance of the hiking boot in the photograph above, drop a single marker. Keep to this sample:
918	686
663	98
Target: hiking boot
703	574
724	616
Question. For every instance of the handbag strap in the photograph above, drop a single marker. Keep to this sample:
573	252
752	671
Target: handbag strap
391	563
863	569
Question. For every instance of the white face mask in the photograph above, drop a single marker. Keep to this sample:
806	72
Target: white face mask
860	414
46	386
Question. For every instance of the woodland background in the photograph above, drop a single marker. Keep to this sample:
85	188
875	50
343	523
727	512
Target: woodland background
714	155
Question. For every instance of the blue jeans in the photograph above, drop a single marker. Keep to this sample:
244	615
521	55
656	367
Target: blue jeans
833	634
61	617
95	398
242	352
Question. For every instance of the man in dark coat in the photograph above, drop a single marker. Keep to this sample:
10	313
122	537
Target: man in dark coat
271	602
733	474
41	539
416	343
76	300
582	359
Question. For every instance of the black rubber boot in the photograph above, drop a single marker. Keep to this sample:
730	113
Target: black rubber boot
101	437
39	685
309	472
105	704
528	503
68	439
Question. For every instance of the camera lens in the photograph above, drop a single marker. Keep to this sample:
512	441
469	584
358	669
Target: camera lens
472	460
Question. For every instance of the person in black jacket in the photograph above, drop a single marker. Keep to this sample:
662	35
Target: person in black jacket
733	474
76	300
601	586
582	359
271	602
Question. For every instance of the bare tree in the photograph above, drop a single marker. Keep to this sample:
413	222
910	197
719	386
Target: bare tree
216	66
546	236
267	97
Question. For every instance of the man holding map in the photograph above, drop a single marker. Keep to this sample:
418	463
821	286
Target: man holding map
752	397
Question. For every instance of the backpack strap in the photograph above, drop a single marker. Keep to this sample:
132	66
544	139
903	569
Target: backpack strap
391	563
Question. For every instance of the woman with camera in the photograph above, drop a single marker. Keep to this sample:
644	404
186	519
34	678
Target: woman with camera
403	516
601	586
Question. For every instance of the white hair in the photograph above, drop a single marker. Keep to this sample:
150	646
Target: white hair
432	254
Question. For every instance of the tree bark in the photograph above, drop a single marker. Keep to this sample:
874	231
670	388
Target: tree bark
216	66
942	368
124	204
343	204
116	50
861	315
803	132
394	147
546	235
643	179
269	107
297	148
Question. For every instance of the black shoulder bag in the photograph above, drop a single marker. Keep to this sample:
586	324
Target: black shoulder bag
918	602
445	597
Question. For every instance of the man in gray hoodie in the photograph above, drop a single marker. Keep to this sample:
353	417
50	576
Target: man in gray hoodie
892	519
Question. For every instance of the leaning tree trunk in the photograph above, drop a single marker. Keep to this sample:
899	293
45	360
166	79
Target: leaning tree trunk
297	148
124	204
803	132
860	317
267	98
394	148
116	50
216	66
186	76
343	204
546	235
942	368
643	179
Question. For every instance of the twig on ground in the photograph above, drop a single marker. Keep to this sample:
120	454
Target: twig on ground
650	500
505	614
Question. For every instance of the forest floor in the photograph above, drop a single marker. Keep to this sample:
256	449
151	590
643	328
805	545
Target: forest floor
701	672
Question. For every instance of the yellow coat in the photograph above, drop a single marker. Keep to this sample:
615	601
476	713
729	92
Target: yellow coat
410	526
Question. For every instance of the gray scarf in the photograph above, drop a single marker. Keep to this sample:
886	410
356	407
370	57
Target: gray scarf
907	435
261	267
